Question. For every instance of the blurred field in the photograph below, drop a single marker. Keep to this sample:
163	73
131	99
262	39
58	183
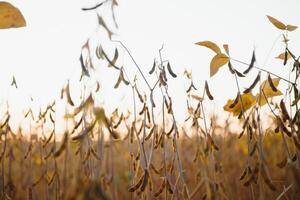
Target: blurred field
30	172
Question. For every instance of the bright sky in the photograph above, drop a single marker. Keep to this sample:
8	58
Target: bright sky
45	54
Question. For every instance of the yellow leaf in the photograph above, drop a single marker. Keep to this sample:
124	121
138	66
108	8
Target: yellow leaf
282	55
218	61
261	99
291	27
278	24
267	89
210	45
248	100
10	16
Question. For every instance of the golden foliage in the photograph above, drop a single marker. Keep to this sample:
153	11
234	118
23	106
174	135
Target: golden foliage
217	62
10	16
245	101
210	45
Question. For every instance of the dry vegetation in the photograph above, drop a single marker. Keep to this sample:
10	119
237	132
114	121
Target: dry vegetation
138	155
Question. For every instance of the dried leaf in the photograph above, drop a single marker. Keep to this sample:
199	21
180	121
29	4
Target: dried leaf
10	16
217	62
278	24
210	45
284	55
248	101
291	27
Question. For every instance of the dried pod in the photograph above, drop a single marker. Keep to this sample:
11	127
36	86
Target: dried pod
84	132
236	100
62	146
267	179
251	153
243	175
285	57
152	99
273	87
119	122
161	189
69	99
282	163
153	68
294	158
150	133
145	181
77	125
28	151
208	92
83	67
297	144
139	94
283	127
170	71
230	68
253	84
137	185
94	153
239	74
169	187
191	87
253	59
49	139
284	111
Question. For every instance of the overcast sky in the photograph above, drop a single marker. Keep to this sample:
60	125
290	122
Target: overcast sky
45	54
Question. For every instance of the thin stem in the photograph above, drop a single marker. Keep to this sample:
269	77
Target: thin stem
266	71
137	66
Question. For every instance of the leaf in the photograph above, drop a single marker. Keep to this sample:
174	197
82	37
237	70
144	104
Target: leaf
218	61
282	56
278	24
10	16
291	27
267	91
248	101
210	45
